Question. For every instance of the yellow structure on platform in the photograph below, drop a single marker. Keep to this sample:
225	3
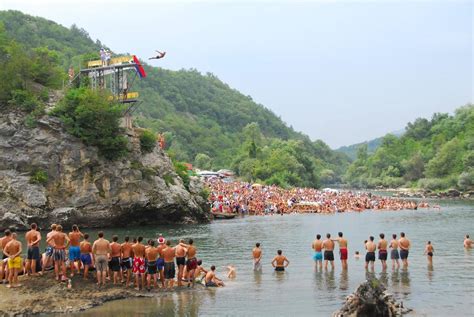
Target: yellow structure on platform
123	97
113	61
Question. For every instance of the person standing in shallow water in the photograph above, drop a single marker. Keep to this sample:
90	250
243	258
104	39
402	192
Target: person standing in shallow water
257	257
280	262
342	250
370	256
394	255
328	246
429	252
318	254
404	245
382	246
467	242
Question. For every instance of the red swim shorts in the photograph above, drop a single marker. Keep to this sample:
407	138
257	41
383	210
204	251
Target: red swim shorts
343	253
138	265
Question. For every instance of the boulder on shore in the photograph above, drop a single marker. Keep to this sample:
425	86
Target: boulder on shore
371	299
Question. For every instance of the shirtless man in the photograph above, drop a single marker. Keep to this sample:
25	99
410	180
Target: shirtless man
100	253
74	249
328	246
467	242
382	246
191	263
318	254
13	250
342	250
151	256
32	238
169	254
116	251
180	260
60	242
211	278
370	256
49	252
394	255
127	259
160	263
3	265
279	262
139	263
200	270
86	254
429	252
257	257
404	245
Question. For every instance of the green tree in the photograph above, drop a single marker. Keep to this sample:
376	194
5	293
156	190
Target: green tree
203	161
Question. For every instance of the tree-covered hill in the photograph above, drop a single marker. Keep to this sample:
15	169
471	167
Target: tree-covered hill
204	120
432	154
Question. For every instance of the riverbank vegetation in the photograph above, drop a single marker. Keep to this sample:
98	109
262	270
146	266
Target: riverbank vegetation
434	154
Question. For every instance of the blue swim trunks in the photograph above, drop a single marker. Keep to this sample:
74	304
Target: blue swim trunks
74	253
160	264
86	259
318	256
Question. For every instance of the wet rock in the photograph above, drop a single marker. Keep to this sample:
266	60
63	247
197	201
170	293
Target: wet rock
371	299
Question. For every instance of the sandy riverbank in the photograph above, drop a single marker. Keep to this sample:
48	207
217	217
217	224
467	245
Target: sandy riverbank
46	295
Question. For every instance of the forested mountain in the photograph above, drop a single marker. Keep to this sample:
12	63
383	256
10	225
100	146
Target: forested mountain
432	154
205	121
372	145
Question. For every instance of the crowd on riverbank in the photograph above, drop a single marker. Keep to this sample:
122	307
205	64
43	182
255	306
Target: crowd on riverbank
147	264
257	199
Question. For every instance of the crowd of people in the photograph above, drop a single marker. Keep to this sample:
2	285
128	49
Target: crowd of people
240	197
149	263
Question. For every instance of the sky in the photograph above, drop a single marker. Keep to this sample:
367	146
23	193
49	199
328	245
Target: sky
340	71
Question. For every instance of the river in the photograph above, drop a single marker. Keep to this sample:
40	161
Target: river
445	289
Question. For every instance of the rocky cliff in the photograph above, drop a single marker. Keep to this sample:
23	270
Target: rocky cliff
80	186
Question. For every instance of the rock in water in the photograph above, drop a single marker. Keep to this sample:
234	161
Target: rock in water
371	299
79	186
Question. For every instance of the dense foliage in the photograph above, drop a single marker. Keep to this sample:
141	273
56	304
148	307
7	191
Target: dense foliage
433	154
90	116
147	141
203	120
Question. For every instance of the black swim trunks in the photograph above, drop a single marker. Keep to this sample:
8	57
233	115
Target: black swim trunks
370	257
430	254
127	264
403	254
328	256
383	255
33	253
114	264
279	269
151	269
169	270
211	284
181	261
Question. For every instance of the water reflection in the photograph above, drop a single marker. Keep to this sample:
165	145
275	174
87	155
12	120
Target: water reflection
383	278
257	277
344	280
430	272
329	280
405	281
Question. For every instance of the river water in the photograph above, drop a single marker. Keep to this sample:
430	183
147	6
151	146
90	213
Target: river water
445	289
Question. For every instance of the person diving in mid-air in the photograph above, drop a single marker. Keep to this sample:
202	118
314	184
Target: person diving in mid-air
160	55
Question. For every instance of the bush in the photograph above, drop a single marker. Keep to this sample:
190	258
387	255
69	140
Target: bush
437	183
90	116
466	179
24	100
182	172
147	141
39	177
168	178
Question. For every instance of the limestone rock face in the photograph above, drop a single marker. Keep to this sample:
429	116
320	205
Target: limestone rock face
84	188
